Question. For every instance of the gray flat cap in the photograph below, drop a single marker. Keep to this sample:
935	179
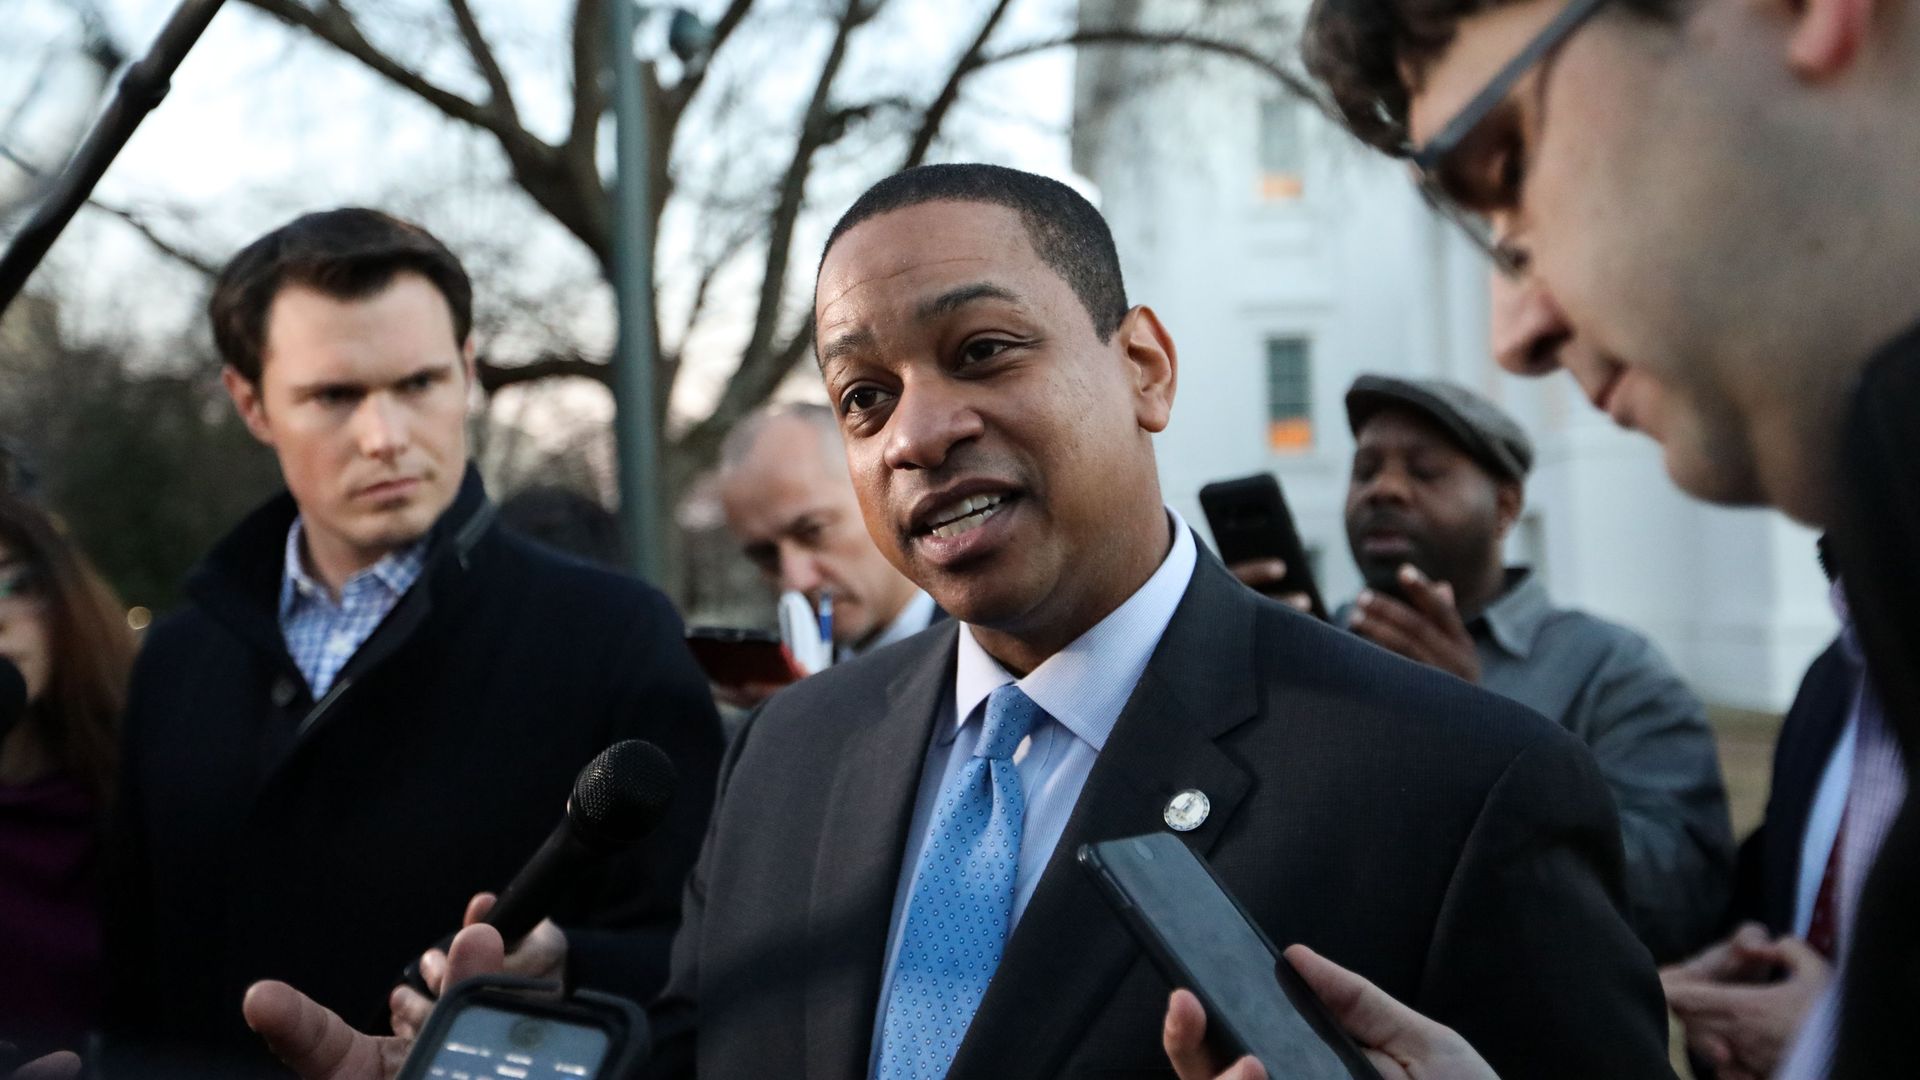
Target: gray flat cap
1488	435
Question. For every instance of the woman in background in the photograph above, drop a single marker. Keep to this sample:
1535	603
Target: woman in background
66	633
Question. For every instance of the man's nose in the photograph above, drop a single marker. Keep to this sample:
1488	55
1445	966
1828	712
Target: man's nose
799	570
381	427
930	418
1529	329
1387	484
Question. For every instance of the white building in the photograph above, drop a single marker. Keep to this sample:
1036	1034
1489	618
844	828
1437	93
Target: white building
1285	259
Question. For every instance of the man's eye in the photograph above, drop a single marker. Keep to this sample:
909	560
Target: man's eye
416	384
859	399
983	349
336	397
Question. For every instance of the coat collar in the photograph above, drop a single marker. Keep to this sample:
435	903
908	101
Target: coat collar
238	582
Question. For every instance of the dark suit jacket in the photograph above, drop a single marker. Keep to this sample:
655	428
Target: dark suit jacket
263	835
1452	846
1768	871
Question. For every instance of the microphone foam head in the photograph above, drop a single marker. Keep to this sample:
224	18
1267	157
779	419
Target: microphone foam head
13	696
622	794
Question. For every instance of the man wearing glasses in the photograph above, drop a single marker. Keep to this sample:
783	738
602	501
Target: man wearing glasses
1704	211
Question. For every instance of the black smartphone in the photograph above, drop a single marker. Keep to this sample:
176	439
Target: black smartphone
1201	938
1250	520
498	1026
736	657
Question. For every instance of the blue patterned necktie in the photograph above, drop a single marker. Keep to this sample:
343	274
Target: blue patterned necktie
962	900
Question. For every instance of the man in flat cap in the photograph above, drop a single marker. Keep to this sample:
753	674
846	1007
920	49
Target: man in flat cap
1438	481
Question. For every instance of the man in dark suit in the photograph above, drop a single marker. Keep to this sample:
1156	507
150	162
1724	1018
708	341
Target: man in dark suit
376	700
887	887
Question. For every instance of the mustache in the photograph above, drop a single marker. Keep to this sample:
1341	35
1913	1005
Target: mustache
1388	520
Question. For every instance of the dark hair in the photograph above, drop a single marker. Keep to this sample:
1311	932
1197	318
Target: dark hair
89	647
1065	230
566	520
349	254
1357	49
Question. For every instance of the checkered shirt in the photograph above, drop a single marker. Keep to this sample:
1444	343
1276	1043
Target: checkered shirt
323	635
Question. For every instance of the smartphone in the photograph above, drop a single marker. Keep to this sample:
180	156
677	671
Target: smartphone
736	657
496	1026
1250	520
1201	938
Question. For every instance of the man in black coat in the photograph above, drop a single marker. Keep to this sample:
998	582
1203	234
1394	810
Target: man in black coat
376	701
999	398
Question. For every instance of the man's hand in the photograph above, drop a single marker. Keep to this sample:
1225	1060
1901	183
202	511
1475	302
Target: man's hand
543	955
1264	576
316	1044
59	1065
1427	628
1400	1043
1736	1014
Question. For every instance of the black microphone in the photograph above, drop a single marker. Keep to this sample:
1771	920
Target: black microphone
617	800
13	697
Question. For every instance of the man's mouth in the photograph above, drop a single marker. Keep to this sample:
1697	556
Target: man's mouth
399	485
964	515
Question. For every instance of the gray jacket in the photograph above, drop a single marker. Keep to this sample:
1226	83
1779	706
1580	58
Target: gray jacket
1648	732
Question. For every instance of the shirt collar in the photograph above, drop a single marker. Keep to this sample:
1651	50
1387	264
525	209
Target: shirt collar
396	572
1085	685
916	616
1514	620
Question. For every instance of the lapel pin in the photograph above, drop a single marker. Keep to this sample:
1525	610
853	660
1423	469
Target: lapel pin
1187	811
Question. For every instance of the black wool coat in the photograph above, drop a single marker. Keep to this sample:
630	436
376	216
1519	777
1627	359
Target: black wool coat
260	834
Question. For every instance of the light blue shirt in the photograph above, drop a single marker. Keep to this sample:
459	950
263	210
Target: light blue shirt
1082	687
322	633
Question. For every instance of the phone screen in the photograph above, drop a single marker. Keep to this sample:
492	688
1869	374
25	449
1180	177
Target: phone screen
1202	940
488	1043
733	657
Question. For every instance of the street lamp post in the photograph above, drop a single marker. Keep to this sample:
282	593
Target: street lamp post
634	362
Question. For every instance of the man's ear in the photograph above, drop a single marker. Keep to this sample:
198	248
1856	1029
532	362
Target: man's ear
248	402
1827	36
1509	498
1153	364
470	359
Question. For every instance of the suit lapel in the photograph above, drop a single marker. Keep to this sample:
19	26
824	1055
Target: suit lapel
1069	951
862	843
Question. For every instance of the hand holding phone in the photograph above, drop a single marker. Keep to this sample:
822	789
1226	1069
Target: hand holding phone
1201	939
1258	540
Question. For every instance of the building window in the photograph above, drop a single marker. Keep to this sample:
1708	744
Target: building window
1282	150
1289	394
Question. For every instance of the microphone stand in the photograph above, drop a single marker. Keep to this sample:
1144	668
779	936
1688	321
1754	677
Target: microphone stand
141	88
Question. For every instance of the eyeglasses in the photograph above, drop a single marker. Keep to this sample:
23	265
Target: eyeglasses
1428	159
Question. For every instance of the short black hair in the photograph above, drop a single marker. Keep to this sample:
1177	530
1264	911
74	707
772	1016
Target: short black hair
350	254
1065	230
1357	49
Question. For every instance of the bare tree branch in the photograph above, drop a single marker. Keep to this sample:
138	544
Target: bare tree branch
483	58
191	260
745	391
538	167
683	93
496	376
943	102
335	25
590	54
1126	35
760	364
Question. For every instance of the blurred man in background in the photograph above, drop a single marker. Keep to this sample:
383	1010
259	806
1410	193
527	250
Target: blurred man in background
790	503
1438	483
